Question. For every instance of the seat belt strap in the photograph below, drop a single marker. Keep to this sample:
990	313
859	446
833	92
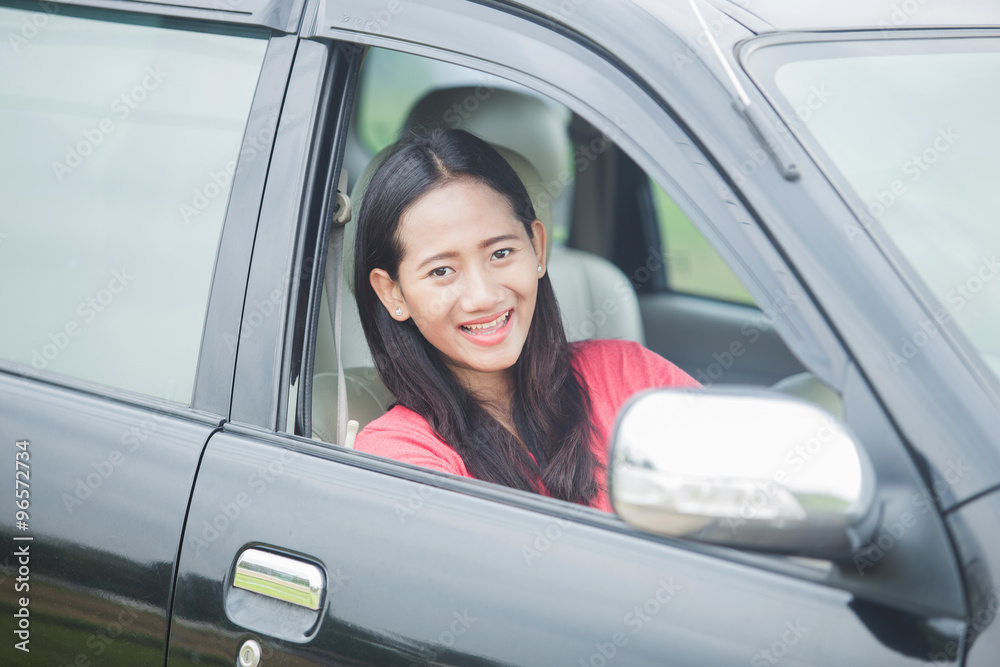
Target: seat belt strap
334	298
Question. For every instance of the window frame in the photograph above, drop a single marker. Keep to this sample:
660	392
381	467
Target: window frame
211	390
225	317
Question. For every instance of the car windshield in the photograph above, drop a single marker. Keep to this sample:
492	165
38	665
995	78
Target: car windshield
913	127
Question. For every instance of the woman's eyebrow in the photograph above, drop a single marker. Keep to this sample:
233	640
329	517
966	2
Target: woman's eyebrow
433	258
451	253
497	239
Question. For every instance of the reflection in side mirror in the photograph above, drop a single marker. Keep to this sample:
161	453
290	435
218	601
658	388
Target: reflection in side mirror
743	468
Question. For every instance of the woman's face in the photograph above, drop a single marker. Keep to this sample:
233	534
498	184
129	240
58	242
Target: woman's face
468	278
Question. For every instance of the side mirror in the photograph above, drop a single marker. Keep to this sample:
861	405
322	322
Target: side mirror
743	468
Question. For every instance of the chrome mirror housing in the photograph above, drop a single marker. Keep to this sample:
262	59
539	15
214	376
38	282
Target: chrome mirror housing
744	468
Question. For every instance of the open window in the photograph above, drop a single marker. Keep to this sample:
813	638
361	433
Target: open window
625	259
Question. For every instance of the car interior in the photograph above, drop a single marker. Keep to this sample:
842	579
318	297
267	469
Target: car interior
624	260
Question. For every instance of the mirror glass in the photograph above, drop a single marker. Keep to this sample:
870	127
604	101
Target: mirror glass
743	468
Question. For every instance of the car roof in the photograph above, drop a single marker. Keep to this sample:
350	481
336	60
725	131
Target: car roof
280	15
797	15
763	16
758	16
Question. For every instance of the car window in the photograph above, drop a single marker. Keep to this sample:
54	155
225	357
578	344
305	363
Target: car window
120	145
693	266
597	298
910	126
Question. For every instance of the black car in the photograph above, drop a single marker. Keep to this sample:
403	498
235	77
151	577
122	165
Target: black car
794	202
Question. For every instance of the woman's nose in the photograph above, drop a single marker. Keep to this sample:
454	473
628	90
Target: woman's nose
481	292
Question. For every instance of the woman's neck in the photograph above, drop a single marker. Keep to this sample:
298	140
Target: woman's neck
488	388
493	391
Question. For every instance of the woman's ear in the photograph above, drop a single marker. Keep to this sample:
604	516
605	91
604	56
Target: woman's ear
539	242
389	294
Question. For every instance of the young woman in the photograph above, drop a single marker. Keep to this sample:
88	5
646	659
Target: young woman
465	331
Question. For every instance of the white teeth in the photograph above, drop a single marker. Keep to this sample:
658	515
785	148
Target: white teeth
473	328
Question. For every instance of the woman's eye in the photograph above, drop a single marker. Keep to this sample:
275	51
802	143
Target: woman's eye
501	254
441	271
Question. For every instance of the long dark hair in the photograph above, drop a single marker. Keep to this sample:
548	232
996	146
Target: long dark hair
550	409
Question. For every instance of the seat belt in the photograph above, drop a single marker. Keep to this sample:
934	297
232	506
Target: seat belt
333	280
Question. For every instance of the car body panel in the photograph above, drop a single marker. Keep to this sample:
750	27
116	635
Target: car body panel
477	582
865	14
109	488
974	526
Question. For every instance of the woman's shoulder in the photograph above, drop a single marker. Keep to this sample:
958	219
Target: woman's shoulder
603	347
612	351
403	435
627	362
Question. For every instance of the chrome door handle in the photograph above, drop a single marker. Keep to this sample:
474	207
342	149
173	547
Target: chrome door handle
280	577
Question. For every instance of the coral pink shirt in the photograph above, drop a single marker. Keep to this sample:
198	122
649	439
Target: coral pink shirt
612	371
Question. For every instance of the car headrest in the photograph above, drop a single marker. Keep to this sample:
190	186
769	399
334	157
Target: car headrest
517	121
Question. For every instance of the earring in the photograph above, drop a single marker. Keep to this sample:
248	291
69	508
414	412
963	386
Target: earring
399	312
539	268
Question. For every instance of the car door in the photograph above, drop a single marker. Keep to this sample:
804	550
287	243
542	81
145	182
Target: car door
117	253
300	552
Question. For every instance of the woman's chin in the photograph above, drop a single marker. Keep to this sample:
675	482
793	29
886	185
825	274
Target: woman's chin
486	361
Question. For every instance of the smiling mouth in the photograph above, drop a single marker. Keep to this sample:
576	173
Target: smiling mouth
488	327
